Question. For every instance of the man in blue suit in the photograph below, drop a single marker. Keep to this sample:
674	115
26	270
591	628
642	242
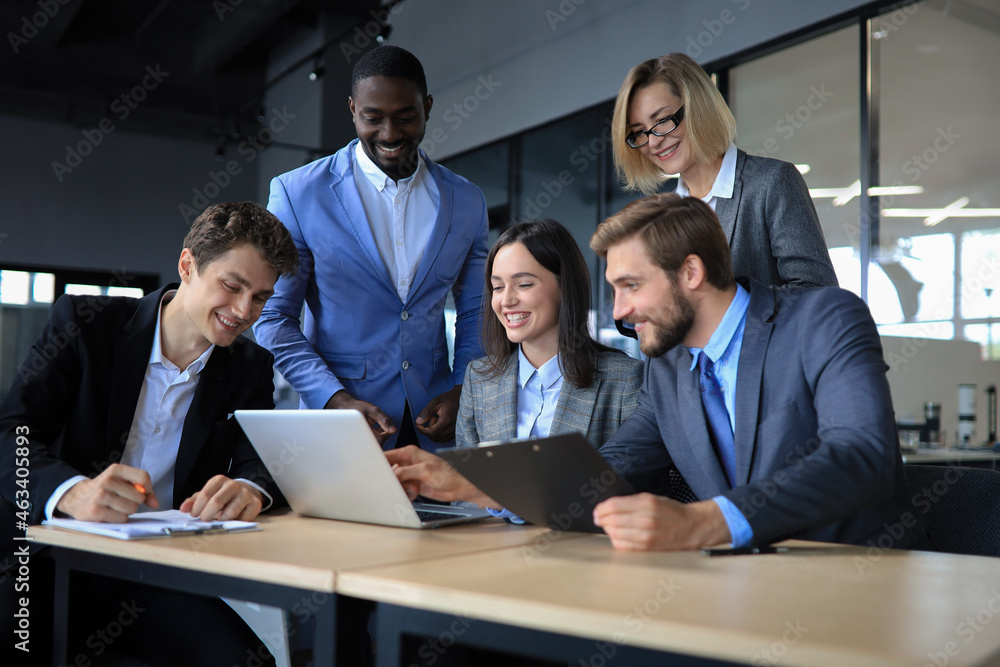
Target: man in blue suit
773	404
383	235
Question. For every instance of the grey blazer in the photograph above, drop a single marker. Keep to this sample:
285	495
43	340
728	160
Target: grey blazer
772	226
488	409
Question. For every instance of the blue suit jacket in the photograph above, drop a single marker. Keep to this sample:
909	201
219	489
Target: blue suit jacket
356	334
817	455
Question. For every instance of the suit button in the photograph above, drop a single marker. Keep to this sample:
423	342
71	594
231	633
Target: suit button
404	316
406	364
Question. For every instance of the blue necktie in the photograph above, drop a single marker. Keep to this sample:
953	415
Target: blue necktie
718	417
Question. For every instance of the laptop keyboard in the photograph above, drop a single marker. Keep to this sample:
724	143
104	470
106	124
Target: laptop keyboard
430	515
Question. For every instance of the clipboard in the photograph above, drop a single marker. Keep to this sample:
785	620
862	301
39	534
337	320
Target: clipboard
554	482
149	525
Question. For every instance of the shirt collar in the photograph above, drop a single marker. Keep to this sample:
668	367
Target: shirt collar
723	335
378	178
156	354
547	374
725	180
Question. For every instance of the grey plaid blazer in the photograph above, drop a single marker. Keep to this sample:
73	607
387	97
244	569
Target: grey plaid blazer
488	409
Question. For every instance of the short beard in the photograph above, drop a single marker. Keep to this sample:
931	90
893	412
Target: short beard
669	335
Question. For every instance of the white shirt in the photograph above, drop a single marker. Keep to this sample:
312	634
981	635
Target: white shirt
155	436
537	395
401	215
725	180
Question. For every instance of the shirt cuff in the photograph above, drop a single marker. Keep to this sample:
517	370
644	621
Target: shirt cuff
268	500
739	527
506	514
50	506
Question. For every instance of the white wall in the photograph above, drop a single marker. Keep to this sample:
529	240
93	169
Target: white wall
519	63
118	209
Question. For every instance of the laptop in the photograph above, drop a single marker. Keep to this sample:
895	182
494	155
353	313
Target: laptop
555	481
328	464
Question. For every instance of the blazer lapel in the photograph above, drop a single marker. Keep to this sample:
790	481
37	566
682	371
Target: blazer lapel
750	376
345	193
574	409
132	348
726	209
699	444
441	226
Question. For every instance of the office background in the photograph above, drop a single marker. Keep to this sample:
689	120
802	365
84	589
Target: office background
122	120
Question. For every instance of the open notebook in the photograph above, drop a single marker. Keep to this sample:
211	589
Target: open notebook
146	525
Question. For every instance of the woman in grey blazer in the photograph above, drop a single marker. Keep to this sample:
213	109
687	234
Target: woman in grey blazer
670	118
542	374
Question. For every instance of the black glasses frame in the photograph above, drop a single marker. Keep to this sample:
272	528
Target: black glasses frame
631	139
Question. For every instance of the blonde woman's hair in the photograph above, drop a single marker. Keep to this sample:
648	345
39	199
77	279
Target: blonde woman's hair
710	126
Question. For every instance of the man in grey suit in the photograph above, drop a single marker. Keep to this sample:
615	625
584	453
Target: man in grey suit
773	404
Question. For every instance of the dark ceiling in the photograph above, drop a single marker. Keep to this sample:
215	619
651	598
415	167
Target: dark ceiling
199	66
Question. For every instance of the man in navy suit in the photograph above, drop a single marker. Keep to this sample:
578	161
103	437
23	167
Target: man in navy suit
772	404
384	234
125	404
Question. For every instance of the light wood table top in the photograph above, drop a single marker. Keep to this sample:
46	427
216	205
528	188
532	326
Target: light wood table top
298	551
817	605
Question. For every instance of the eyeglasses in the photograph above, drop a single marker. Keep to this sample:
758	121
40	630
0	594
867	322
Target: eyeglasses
640	138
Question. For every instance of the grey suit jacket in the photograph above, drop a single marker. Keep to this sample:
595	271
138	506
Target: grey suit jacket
488	409
772	226
817	455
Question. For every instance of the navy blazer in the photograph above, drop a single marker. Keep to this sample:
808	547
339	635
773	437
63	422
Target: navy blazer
76	394
817	455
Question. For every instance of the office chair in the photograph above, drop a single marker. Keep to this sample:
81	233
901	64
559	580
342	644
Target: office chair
961	507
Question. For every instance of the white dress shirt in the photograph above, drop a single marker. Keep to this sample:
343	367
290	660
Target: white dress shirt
725	180
401	215
537	395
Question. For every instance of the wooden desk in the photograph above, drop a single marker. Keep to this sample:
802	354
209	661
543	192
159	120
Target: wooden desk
292	563
579	601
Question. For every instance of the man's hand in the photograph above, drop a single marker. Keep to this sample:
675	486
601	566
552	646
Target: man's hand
109	497
437	419
645	522
381	425
224	499
425	474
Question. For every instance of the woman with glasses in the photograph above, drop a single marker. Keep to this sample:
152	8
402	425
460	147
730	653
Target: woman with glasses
670	118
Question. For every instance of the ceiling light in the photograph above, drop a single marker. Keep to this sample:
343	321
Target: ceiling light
933	216
803	168
842	196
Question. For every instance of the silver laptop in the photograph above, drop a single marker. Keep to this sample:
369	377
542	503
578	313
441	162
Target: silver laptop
328	464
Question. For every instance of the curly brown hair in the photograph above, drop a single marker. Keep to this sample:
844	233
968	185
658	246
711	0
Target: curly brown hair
222	227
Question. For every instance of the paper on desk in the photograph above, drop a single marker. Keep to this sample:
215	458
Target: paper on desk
145	525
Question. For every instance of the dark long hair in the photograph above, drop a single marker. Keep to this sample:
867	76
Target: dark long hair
553	247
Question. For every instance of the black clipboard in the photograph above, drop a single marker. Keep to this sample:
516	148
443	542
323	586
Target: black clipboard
553	482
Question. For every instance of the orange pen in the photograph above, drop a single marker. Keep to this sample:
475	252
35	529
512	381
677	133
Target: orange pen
140	488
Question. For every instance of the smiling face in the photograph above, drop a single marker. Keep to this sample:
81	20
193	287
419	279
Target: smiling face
390	116
650	104
646	297
526	300
222	299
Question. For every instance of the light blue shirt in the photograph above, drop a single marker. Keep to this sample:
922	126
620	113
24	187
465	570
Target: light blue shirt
723	349
537	395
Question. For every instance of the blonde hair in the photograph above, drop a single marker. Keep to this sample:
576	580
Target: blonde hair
710	124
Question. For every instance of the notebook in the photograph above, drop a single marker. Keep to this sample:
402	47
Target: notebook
145	525
328	464
555	481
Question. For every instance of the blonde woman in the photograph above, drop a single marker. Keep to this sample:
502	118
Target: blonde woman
670	118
